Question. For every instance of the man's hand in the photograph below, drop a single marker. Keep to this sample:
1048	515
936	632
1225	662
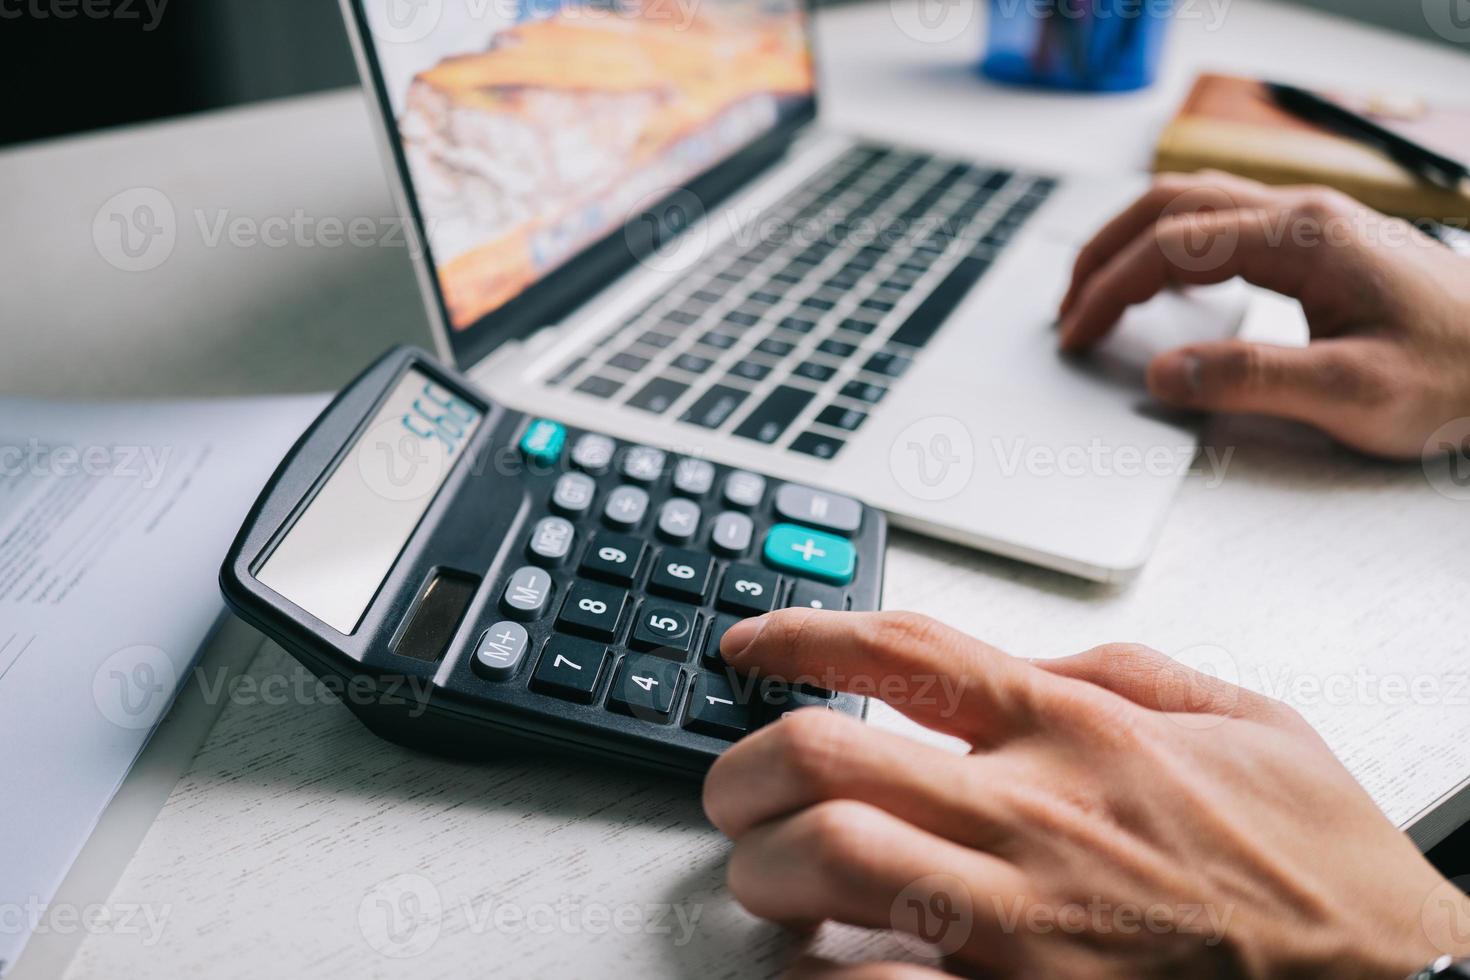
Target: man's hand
1120	816
1389	309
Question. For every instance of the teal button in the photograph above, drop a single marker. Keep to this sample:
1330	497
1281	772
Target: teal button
811	553
543	441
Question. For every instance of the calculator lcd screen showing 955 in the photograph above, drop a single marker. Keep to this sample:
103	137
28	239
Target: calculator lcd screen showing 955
335	557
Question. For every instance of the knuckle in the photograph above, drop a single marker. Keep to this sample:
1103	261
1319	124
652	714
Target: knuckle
1321	205
902	630
1237	366
811	744
1173	183
838	834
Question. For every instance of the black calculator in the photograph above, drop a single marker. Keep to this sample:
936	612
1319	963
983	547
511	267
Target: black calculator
473	580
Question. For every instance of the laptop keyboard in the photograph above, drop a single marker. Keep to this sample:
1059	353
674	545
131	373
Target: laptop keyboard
791	331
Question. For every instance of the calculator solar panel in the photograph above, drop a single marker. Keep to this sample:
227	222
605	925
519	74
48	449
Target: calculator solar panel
476	580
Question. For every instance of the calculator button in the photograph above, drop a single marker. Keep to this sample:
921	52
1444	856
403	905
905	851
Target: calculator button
526	593
543	441
778	702
613	558
593	452
501	650
678	519
744	489
717	631
573	493
569	669
551	540
625	507
694	477
811	553
828	511
681	574
748	590
732	533
644	464
717	708
665	629
813	595
645	687
592	610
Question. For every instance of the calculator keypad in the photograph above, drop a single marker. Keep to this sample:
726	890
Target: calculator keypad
636	563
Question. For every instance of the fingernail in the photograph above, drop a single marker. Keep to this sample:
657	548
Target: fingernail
1177	378
738	638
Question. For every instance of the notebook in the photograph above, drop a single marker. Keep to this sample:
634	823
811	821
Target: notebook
1233	124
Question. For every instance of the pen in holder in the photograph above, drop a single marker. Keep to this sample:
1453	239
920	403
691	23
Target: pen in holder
1090	45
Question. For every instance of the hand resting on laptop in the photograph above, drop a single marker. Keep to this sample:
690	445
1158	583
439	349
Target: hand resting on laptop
1388	307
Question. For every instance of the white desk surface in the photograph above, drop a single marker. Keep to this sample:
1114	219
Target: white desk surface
1306	565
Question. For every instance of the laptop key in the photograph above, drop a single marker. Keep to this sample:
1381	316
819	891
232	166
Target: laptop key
798	324
692	363
749	370
842	418
813	371
658	395
864	391
930	315
655	339
836	348
818	445
774	347
887	363
771	417
599	387
858	325
720	341
713	407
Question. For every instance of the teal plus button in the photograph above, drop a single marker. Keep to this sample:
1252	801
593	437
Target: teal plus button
811	553
543	441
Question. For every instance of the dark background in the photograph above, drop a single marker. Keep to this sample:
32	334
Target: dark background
66	75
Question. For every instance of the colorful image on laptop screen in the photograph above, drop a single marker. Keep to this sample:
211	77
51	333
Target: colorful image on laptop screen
533	128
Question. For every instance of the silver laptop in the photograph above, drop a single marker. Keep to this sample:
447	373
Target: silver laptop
629	216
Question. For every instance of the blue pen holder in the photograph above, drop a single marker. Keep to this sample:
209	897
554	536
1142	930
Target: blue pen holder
1087	45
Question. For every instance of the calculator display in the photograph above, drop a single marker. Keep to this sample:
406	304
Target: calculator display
334	558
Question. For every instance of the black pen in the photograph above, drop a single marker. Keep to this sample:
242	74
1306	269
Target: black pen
1421	160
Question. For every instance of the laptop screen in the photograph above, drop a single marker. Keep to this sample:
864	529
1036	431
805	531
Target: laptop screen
532	132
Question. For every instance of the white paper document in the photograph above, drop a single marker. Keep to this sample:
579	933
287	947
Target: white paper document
114	519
